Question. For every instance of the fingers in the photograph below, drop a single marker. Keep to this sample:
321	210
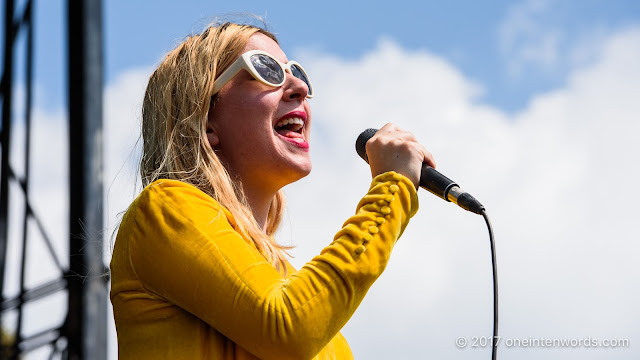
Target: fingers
393	149
428	157
390	133
396	132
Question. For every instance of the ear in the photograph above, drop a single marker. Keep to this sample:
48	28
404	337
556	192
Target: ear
212	136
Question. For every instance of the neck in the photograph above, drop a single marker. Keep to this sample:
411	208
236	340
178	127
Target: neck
256	191
260	203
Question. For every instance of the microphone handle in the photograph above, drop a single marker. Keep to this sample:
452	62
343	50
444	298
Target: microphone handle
446	189
435	182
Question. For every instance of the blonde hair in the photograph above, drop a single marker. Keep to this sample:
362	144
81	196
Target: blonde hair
174	121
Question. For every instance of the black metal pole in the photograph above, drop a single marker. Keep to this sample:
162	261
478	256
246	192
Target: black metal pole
86	324
5	136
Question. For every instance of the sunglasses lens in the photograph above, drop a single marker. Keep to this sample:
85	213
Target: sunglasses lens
268	69
300	74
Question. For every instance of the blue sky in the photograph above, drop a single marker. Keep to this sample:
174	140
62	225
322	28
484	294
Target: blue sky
530	105
467	33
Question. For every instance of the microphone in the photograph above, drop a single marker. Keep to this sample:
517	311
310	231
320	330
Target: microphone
430	179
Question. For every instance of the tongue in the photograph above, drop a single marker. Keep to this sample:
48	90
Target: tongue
288	133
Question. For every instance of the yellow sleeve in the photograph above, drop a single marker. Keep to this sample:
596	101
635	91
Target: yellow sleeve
183	249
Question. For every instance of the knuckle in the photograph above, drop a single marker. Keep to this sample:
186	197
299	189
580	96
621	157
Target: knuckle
406	145
399	144
370	145
387	127
375	141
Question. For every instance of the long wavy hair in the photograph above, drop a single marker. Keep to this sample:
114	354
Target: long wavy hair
174	121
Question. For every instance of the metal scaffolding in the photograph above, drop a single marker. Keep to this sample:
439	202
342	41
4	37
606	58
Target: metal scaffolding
82	335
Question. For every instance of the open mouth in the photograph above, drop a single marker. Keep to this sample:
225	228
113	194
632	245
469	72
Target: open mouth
290	130
291	127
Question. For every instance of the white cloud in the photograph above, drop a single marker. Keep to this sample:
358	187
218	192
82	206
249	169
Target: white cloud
551	177
526	41
122	119
533	41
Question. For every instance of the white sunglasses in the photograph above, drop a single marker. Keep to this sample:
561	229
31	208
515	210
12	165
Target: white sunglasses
264	68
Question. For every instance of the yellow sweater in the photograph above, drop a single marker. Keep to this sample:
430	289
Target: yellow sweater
186	285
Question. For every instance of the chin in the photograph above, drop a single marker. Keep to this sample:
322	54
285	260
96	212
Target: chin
298	172
302	172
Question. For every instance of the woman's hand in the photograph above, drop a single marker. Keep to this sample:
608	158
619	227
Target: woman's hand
393	149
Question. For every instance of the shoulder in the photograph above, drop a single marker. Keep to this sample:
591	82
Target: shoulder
171	216
184	199
175	204
175	194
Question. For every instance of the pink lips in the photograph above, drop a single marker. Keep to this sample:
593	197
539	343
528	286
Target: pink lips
296	113
299	143
293	137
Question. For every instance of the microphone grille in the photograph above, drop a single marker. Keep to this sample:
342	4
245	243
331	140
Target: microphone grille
361	141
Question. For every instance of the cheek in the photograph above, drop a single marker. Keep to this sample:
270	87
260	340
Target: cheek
243	126
243	116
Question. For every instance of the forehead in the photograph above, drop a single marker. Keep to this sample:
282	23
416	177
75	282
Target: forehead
263	42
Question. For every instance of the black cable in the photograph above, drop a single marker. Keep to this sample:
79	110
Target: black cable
494	344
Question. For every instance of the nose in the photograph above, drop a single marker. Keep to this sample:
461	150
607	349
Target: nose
294	88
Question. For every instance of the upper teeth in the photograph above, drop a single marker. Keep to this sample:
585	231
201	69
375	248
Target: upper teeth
285	122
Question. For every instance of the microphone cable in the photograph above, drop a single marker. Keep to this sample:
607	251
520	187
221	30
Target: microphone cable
494	343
